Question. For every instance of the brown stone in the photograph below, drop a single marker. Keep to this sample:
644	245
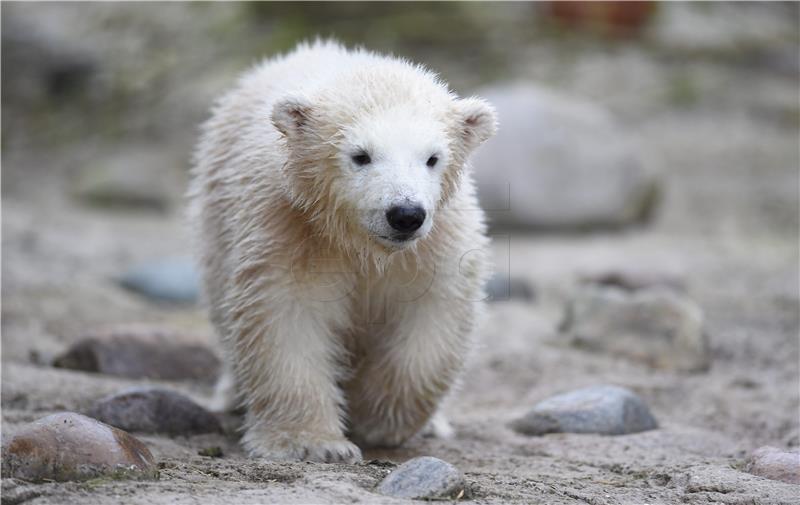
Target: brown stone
69	446
776	464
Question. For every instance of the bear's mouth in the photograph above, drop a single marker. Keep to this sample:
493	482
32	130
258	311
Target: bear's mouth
399	239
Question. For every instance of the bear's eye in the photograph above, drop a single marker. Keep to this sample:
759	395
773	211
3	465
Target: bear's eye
432	161
361	159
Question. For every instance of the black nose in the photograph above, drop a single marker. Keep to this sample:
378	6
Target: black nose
405	218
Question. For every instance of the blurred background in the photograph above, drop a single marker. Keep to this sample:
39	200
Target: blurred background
643	146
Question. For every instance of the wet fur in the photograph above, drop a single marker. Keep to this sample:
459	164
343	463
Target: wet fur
328	333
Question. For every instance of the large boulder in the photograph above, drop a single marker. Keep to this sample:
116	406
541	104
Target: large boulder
558	162
69	446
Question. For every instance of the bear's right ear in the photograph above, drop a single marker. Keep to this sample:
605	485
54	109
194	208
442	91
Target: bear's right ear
290	115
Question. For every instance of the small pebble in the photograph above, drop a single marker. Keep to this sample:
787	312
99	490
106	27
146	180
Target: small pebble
424	478
776	464
153	410
141	354
166	280
69	446
604	410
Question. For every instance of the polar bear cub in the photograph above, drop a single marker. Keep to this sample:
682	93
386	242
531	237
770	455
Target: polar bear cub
343	249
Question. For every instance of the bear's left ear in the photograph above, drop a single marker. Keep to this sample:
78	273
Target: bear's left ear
477	121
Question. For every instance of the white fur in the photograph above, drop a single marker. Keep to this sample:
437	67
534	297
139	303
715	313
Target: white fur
331	328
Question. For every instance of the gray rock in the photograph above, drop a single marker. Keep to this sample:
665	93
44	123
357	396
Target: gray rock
69	446
502	287
153	410
560	163
169	280
604	410
141	354
776	464
425	478
658	327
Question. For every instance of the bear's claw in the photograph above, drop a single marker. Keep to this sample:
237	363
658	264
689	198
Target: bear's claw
303	447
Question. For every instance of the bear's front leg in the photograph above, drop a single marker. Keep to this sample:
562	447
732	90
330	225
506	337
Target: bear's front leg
405	375
287	363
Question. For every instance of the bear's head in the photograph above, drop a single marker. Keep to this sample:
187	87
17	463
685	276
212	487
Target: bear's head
373	156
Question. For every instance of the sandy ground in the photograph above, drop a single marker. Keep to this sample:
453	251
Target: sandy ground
728	227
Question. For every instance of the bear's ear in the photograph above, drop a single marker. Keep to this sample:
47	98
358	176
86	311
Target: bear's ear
290	115
477	121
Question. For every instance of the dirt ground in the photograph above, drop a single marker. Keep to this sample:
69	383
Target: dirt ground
728	226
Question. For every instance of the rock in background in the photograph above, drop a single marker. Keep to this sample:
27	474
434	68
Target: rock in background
657	327
631	278
560	163
502	288
172	280
138	177
141	353
154	410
